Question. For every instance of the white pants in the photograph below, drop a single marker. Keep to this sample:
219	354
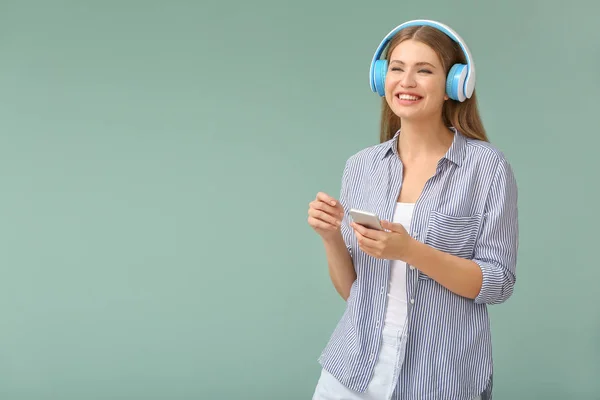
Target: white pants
385	375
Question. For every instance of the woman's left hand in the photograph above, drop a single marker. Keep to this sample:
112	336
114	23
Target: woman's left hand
392	244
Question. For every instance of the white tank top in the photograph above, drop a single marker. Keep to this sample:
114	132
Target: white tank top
396	310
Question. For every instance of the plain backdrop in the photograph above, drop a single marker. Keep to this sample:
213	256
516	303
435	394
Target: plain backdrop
157	159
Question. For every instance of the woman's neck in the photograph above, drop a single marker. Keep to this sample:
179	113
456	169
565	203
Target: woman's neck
423	140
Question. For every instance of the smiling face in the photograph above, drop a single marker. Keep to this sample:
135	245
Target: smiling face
415	84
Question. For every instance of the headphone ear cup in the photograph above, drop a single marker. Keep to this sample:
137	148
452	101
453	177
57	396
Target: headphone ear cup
380	71
455	82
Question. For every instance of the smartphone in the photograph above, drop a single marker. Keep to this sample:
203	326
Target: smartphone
366	219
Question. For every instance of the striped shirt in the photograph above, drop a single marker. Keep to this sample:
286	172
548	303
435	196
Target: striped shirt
468	209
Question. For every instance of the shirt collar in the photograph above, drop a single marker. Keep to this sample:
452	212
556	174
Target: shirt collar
455	153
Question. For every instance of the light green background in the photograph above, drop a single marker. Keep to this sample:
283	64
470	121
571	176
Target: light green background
157	160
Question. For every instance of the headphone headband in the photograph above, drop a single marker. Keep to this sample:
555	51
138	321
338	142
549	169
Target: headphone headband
469	80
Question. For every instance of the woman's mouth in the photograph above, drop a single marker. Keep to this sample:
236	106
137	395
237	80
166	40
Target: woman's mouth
407	99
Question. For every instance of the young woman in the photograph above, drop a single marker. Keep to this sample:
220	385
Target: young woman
416	322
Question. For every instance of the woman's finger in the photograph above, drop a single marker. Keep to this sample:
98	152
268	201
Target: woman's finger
323	216
368	233
365	241
319	224
321	205
327	199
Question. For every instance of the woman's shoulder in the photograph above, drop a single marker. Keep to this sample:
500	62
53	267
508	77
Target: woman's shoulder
488	161
367	155
481	150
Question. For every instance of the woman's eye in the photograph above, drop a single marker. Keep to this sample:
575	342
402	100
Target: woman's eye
422	70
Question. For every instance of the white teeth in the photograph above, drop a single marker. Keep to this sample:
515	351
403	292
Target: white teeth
408	97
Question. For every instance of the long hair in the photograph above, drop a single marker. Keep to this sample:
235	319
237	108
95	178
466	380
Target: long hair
463	116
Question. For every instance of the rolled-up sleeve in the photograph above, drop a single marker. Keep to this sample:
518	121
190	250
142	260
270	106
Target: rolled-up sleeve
497	244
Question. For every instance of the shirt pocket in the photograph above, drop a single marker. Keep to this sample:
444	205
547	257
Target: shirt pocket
456	235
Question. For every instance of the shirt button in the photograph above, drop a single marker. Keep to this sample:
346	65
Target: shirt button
412	301
411	267
371	357
377	324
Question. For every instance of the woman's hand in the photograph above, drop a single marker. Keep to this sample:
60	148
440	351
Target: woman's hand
392	244
325	216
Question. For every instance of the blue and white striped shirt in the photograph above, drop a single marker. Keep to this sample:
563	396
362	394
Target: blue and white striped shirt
468	209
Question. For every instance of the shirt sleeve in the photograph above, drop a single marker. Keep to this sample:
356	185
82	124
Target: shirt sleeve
345	228
497	244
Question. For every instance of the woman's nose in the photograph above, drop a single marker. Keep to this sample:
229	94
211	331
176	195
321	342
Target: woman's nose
407	80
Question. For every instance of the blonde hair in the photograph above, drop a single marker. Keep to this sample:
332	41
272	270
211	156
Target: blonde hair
463	116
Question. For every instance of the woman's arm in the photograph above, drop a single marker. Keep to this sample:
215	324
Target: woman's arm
341	267
461	276
490	276
338	248
329	218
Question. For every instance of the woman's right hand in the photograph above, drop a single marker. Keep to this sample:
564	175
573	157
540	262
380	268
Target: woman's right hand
325	215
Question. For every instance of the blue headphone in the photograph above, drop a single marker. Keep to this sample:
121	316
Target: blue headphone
460	81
